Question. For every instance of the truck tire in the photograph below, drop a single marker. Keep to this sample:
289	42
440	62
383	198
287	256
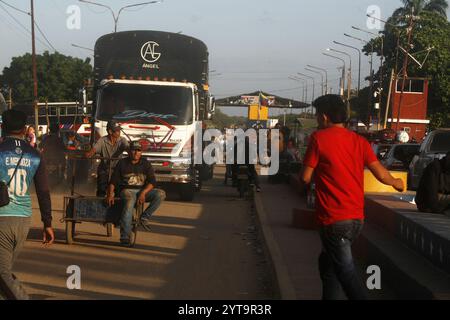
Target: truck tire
187	192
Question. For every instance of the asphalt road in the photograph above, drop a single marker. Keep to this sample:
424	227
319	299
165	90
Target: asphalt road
207	249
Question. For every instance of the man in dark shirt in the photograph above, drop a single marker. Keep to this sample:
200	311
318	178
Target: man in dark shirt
53	151
433	193
134	180
15	217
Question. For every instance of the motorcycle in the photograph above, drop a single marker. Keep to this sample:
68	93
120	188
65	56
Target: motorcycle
243	180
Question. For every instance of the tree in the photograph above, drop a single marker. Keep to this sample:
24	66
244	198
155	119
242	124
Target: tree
221	120
435	6
431	30
59	77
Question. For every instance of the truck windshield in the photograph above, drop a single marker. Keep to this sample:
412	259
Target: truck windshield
144	103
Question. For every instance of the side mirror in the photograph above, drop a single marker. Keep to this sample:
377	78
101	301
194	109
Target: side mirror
82	97
211	107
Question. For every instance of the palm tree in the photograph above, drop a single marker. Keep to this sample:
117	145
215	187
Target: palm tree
436	6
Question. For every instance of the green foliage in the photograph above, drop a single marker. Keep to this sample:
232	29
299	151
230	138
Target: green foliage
431	30
221	120
435	6
59	77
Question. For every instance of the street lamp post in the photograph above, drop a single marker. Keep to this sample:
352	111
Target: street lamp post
343	70
369	106
326	76
319	73
359	61
349	80
116	18
380	96
314	87
305	87
80	47
302	94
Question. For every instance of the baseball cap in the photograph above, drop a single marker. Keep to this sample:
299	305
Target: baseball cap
135	145
113	125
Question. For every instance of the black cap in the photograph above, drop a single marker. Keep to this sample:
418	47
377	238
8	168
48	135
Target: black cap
113	125
135	145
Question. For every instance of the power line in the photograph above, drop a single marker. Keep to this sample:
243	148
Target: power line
13	28
19	23
15	8
42	33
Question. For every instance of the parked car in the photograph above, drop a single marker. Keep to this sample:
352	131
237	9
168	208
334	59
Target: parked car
435	145
386	135
400	156
381	150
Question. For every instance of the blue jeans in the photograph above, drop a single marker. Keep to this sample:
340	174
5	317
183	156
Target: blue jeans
129	198
13	234
336	266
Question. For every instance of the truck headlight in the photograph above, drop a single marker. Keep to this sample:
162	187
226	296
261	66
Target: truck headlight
182	164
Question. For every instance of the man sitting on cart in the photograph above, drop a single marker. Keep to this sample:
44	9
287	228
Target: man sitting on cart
134	180
108	147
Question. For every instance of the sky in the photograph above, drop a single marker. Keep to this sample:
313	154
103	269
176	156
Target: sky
253	44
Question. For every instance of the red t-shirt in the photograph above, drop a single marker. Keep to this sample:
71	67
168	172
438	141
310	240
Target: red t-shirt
338	156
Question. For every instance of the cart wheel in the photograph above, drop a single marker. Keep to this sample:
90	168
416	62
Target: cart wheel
70	231
109	229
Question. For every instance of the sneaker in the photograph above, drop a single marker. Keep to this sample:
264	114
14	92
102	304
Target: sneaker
145	223
125	242
258	189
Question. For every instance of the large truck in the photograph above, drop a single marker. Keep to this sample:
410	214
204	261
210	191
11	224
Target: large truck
155	84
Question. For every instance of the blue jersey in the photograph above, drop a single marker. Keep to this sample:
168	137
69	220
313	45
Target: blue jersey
31	168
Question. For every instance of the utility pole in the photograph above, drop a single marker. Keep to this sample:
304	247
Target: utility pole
10	99
380	93
35	84
405	64
370	104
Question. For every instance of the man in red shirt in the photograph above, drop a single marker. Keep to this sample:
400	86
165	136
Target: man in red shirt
337	157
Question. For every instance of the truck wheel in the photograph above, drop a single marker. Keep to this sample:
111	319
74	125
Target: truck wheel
109	229
70	231
187	192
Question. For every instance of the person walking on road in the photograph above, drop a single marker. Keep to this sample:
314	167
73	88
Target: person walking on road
21	164
54	153
134	180
337	157
108	147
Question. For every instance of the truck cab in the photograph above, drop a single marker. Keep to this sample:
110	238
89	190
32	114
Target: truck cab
155	84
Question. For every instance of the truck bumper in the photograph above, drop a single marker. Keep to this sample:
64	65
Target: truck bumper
171	177
170	171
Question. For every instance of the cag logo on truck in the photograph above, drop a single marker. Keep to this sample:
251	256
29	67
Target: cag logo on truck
148	52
